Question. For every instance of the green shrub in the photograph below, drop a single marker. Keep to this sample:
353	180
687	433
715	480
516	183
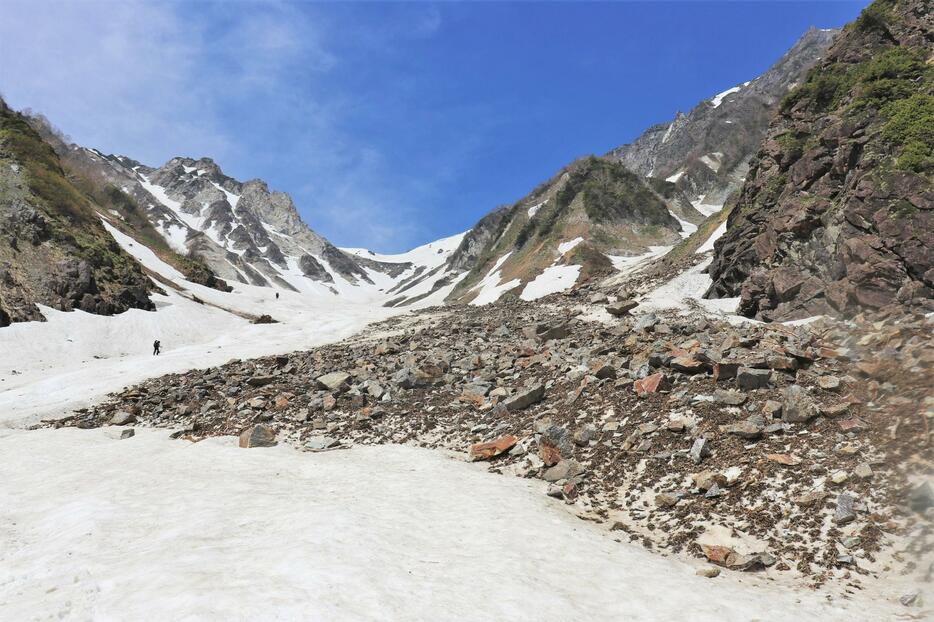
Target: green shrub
909	127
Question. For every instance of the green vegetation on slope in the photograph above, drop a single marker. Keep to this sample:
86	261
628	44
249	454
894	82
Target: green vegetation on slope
73	221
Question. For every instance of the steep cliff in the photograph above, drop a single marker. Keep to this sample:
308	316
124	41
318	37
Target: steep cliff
837	213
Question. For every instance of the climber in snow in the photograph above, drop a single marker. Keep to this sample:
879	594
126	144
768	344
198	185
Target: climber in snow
156	346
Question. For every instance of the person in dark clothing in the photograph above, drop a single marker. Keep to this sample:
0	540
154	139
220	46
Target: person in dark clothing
277	295
156	346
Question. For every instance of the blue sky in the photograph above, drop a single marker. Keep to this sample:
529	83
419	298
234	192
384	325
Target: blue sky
389	124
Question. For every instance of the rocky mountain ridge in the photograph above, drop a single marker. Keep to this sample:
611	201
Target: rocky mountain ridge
706	152
684	172
837	213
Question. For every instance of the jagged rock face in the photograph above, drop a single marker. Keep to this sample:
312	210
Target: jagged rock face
593	208
836	215
53	249
239	231
706	152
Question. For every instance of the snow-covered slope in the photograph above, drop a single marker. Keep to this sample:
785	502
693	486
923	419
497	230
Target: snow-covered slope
125	531
75	358
428	277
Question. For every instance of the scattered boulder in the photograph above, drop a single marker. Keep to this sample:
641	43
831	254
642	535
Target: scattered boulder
844	512
526	398
797	405
748	378
258	436
491	449
564	469
554	444
651	384
621	308
321	443
122	417
700	450
334	381
730	398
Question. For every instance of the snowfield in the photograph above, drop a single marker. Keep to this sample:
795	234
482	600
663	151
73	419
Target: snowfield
147	528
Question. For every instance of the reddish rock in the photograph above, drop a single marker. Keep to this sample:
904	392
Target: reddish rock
784	459
852	424
687	364
490	449
549	453
724	371
651	384
722	555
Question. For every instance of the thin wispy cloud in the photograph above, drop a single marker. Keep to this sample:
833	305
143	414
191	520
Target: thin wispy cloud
248	84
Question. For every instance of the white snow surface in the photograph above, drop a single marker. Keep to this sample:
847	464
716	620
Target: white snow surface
430	255
490	288
718	98
534	209
148	528
552	280
675	177
687	290
712	160
566	247
626	264
708	245
687	228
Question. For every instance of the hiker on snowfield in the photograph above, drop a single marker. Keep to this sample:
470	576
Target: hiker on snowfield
156	345
277	295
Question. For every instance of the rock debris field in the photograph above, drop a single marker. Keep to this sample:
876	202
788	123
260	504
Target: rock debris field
795	451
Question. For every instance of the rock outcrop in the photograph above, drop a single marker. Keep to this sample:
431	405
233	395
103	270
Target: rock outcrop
837	213
54	251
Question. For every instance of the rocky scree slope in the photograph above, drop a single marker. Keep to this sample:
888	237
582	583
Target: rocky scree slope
674	431
706	152
54	251
837	213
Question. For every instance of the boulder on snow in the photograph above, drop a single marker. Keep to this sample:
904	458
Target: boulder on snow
258	436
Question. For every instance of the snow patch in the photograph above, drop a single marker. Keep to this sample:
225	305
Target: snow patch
534	209
490	287
566	247
713	161
718	98
149	528
708	245
554	279
627	264
687	290
674	178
